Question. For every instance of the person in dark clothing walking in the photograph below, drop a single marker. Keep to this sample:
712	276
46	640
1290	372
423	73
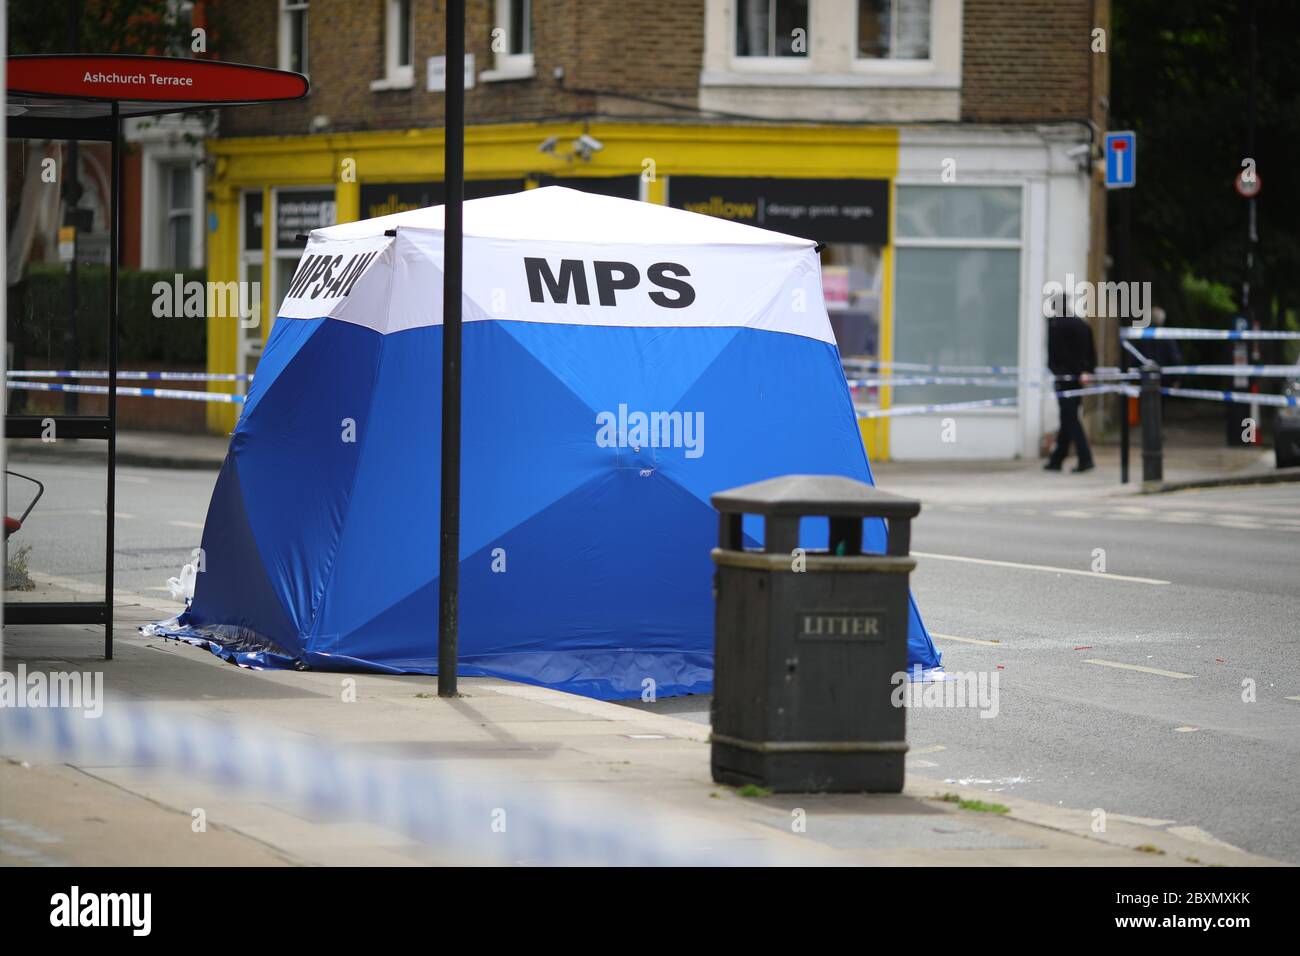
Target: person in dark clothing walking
1070	352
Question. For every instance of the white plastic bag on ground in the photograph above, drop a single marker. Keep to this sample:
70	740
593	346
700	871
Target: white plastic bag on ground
182	588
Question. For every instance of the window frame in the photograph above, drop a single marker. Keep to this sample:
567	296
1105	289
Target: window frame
771	63
507	65
287	10
251	341
171	212
397	75
895	64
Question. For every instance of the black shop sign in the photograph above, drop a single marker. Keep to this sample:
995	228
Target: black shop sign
825	210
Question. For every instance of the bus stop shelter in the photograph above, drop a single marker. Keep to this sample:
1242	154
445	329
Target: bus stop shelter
85	99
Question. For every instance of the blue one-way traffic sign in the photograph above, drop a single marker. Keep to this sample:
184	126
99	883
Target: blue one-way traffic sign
1121	159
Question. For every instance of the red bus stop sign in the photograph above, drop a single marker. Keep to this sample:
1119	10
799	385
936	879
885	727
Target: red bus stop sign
147	84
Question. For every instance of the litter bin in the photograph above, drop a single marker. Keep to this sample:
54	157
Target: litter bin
807	644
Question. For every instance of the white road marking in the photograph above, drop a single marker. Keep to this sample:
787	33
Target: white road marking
1072	514
965	640
919	751
1185	730
1140	821
186	524
1297	699
1037	567
1177	675
1198	835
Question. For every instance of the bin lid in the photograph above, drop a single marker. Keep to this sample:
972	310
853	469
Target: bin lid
831	495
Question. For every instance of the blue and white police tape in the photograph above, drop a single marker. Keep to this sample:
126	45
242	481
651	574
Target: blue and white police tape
1250	371
501	822
1243	398
853	366
1216	395
922	367
983	381
1231	335
981	403
905	380
127	390
133	376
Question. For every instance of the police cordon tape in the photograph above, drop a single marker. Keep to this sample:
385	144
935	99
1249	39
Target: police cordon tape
987	382
1216	395
133	376
1252	371
1038	372
506	823
127	390
981	403
1229	335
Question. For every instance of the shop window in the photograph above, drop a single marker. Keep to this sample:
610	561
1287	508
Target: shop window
957	288
851	286
399	47
772	28
297	212
894	29
945	212
511	41
293	35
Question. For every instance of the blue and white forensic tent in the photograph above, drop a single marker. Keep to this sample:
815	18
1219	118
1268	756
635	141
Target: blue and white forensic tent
622	362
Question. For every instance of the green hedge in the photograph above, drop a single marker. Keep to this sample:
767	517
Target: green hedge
38	304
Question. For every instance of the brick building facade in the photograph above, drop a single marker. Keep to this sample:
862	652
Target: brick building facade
952	140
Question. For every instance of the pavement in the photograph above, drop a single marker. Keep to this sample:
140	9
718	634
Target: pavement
513	745
1192	462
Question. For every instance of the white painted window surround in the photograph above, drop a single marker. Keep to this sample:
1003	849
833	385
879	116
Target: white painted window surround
399	48
832	61
1053	240
293	35
165	143
512	42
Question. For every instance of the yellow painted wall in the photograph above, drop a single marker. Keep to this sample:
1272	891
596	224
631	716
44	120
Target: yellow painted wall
509	151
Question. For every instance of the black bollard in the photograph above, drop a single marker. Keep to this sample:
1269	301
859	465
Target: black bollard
1149	408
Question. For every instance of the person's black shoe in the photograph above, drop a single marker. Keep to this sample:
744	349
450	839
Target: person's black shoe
1082	467
1052	466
